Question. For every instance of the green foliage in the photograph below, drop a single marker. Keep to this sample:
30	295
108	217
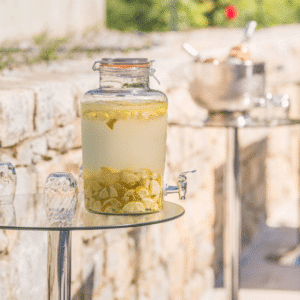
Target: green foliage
161	15
166	15
268	13
49	46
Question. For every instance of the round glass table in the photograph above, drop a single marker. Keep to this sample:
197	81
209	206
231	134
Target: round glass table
27	212
232	213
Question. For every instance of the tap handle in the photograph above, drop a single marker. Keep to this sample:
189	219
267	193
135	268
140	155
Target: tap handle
181	187
182	184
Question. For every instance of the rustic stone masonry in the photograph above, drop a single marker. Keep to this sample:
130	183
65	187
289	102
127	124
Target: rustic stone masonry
178	260
31	18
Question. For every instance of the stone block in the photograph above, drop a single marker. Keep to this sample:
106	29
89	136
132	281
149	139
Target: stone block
93	266
30	151
39	145
8	155
54	105
64	105
105	292
24	154
204	251
176	273
26	181
27	21
4	280
194	287
16	116
154	284
77	134
3	242
44	108
150	246
118	265
61	138
28	266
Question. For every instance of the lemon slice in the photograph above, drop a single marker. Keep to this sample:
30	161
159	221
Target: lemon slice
104	194
96	206
113	192
133	207
154	176
142	191
89	116
146	183
119	115
91	188
90	201
129	193
112	204
125	199
154	188
109	176
129	178
120	188
109	210
111	123
145	173
148	203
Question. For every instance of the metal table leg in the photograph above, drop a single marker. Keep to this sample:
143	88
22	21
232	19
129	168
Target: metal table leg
59	265
232	231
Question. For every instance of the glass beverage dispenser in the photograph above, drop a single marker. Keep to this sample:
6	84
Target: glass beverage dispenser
124	130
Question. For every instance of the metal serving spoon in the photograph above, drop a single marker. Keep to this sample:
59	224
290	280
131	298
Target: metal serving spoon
198	58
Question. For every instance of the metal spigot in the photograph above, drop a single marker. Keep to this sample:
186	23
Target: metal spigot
181	187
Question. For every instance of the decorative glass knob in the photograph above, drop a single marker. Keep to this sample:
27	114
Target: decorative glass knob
8	182
60	196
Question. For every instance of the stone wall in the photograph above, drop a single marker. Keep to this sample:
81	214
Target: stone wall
21	20
40	134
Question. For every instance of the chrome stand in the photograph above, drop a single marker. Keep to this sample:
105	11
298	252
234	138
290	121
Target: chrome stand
59	265
232	231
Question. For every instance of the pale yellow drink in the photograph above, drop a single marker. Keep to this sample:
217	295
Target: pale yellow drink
124	146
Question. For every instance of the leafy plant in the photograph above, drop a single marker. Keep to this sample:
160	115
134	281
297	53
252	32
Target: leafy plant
165	15
49	46
268	13
161	15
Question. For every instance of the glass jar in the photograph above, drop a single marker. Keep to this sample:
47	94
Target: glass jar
124	131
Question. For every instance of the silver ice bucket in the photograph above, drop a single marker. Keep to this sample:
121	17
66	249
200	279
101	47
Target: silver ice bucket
228	87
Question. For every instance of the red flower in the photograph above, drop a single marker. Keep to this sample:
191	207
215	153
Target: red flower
231	12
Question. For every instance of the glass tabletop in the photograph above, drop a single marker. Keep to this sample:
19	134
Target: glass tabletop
244	121
28	213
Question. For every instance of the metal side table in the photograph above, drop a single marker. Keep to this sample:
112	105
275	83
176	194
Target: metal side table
232	230
232	213
28	213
